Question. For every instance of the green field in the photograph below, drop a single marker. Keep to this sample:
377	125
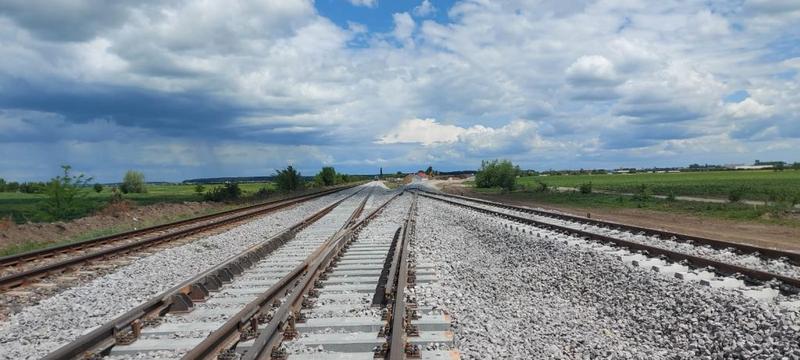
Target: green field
756	185
23	207
727	211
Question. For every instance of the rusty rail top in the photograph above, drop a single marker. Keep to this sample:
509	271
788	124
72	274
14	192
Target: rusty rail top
180	296
700	262
793	257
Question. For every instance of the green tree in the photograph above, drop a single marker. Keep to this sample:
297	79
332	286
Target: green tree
12	186
289	179
429	171
98	188
228	192
2	185
133	182
327	176
65	198
496	173
199	188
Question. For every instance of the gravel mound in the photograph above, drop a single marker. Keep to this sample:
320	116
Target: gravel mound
40	329
516	295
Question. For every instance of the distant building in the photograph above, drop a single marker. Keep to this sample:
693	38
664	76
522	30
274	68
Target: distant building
753	167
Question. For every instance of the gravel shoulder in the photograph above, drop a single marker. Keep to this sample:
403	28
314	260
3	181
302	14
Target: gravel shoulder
516	295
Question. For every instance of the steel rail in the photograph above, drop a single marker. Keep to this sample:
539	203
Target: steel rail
180	297
793	257
789	285
387	277
249	317
397	341
270	337
20	278
11	260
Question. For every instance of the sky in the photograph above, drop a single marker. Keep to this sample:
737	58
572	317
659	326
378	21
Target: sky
187	89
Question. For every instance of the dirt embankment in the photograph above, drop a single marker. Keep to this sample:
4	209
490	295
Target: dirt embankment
119	217
757	234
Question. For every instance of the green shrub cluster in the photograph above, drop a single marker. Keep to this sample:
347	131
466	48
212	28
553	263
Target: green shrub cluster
289	179
496	173
227	192
133	182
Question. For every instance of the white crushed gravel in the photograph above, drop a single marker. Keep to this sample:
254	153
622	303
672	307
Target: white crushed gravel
775	266
513	295
42	328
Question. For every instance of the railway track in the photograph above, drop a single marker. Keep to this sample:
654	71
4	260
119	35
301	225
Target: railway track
685	257
27	268
272	293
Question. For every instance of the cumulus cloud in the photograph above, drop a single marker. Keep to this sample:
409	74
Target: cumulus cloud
748	108
596	81
476	139
367	3
422	131
403	27
424	9
592	70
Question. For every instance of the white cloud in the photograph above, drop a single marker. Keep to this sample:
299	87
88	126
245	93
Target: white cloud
422	131
367	3
592	70
424	9
403	27
748	108
476	139
290	75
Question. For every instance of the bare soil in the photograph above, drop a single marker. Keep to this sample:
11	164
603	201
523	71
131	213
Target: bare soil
117	217
757	234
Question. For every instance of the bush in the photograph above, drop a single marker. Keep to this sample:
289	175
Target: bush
326	176
12	186
2	185
642	193
98	188
585	188
227	192
199	189
262	193
496	173
735	195
671	196
65	197
133	182
32	187
541	186
289	179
